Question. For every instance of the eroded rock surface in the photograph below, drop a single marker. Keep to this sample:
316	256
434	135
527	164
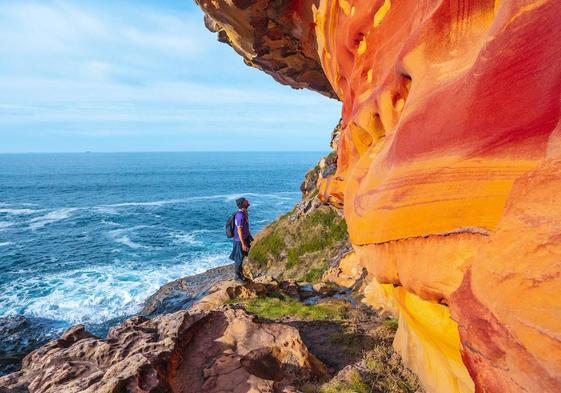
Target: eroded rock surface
184	292
517	324
277	37
223	350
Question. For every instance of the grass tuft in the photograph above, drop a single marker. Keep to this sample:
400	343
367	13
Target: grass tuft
314	275
392	324
353	383
275	308
317	231
269	247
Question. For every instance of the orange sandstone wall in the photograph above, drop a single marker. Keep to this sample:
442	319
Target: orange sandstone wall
445	105
448	168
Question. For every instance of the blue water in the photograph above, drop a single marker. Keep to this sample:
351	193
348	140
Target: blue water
85	238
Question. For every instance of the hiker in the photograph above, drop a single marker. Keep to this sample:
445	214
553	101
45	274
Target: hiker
242	238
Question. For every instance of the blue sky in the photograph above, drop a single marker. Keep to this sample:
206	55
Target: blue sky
140	76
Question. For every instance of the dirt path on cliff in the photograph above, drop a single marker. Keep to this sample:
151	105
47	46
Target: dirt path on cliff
350	338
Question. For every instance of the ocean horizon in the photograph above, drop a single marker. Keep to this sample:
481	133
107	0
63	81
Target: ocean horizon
323	152
87	237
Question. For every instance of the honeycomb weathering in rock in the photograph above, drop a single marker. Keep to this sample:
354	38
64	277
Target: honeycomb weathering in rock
446	104
277	37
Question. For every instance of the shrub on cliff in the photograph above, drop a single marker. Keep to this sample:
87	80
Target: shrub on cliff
299	246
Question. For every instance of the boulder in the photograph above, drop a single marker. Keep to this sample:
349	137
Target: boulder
20	335
184	292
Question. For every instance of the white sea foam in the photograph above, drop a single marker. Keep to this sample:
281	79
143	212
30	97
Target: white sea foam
121	236
233	197
111	223
225	197
186	238
53	216
19	212
106	210
97	294
125	240
5	244
150	203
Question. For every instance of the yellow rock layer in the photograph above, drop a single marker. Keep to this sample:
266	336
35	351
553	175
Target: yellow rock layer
429	343
427	338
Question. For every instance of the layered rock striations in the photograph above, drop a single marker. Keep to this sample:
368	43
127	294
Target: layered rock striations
447	168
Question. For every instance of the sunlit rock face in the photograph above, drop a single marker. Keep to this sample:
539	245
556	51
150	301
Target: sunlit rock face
446	170
508	306
445	105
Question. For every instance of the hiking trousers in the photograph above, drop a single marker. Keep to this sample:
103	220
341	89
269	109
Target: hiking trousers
238	254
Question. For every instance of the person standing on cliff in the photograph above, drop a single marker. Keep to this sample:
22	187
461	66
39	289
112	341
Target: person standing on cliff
242	238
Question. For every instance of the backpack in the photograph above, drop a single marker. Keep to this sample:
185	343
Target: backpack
230	226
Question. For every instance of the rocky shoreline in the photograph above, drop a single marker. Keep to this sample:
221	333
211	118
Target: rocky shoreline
21	335
289	329
182	293
221	341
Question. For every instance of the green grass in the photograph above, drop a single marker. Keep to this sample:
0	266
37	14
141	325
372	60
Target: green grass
352	384
392	324
317	232
314	275
270	246
289	242
273	308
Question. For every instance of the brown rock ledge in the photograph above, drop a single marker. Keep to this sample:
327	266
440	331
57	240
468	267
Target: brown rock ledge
223	350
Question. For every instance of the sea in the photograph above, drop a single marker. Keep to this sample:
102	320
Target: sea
87	237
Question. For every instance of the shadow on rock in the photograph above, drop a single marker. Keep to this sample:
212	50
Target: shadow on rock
20	335
333	343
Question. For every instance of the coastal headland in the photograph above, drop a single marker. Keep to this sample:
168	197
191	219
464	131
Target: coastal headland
438	210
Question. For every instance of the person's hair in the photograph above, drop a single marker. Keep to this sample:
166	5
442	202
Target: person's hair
239	202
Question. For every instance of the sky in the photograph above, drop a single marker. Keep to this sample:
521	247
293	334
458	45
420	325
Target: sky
141	76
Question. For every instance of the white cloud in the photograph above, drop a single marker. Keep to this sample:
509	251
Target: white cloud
68	29
39	28
102	69
178	41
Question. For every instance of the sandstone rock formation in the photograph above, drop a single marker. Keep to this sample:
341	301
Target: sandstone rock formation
274	36
222	350
517	324
451	111
182	293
